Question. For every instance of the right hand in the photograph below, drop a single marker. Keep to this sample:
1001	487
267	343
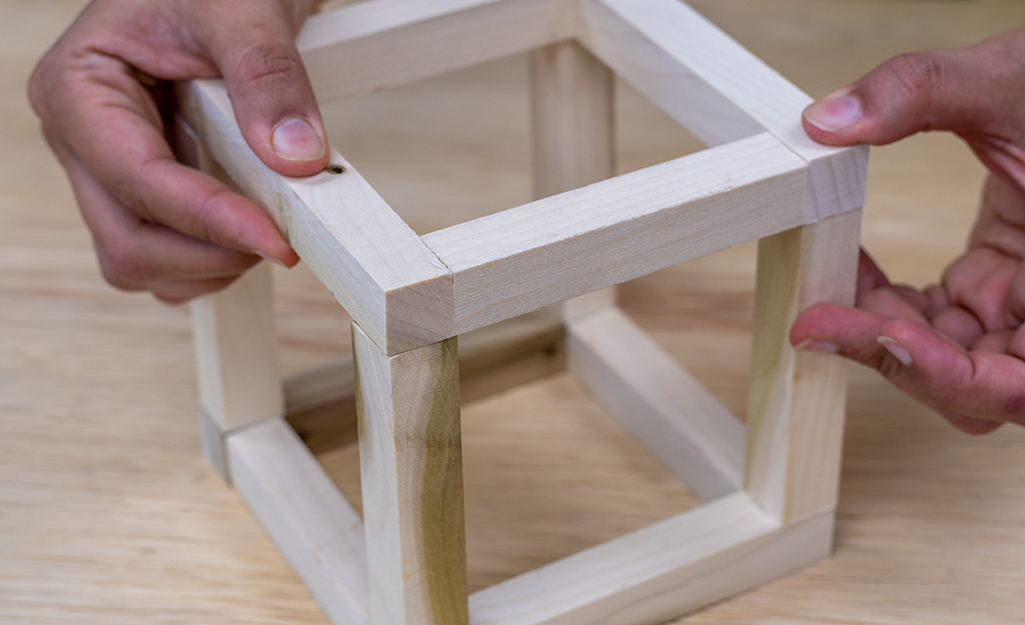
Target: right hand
158	225
957	346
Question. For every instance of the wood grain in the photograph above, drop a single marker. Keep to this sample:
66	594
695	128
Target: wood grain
603	234
795	423
412	475
572	111
317	531
683	425
109	515
359	248
371	46
718	90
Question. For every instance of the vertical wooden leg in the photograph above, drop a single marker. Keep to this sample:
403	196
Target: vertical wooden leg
573	134
237	358
797	399
412	474
236	344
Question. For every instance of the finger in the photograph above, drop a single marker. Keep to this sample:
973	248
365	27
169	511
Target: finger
975	385
870	276
113	126
920	362
892	304
134	253
180	291
958	325
935	90
1014	306
269	89
851	332
1001	220
978	282
872	281
999	342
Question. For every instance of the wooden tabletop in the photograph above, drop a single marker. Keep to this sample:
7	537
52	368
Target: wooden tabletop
109	514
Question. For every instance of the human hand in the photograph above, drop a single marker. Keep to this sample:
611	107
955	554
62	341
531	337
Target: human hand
959	347
158	225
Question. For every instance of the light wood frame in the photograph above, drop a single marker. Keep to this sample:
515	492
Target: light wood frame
770	488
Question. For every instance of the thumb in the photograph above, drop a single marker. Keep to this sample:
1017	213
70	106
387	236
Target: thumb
962	90
270	90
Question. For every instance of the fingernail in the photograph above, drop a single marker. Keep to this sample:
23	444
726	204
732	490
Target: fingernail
267	256
295	140
899	352
817	345
833	113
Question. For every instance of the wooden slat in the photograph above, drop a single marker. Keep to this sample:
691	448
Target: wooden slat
316	530
356	245
412	478
370	46
797	399
509	354
540	253
235	338
721	92
656	400
237	351
573	134
321	404
572	109
659	572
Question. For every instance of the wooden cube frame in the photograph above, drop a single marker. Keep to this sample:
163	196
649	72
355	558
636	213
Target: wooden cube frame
770	494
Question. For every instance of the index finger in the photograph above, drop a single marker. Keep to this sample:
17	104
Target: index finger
109	119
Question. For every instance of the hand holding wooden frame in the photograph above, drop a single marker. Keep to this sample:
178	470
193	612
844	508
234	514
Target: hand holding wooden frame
771	494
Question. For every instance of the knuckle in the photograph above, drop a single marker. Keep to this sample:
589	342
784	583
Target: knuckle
269	61
127	190
37	90
173	297
123	267
917	73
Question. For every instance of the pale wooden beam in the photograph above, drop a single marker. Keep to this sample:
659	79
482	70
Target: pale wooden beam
540	253
796	400
660	572
321	405
718	90
572	110
235	338
573	115
370	46
412	477
317	531
657	401
237	351
375	265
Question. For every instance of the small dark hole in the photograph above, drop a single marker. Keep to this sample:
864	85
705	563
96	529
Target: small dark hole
334	169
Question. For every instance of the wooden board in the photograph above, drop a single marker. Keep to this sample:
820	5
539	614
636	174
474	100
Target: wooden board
316	530
412	474
796	401
321	402
718	90
577	242
656	400
660	572
370	46
111	515
359	248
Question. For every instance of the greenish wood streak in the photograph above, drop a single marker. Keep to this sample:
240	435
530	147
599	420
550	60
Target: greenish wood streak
441	495
773	293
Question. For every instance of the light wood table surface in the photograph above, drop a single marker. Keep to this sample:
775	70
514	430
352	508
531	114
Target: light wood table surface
109	514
